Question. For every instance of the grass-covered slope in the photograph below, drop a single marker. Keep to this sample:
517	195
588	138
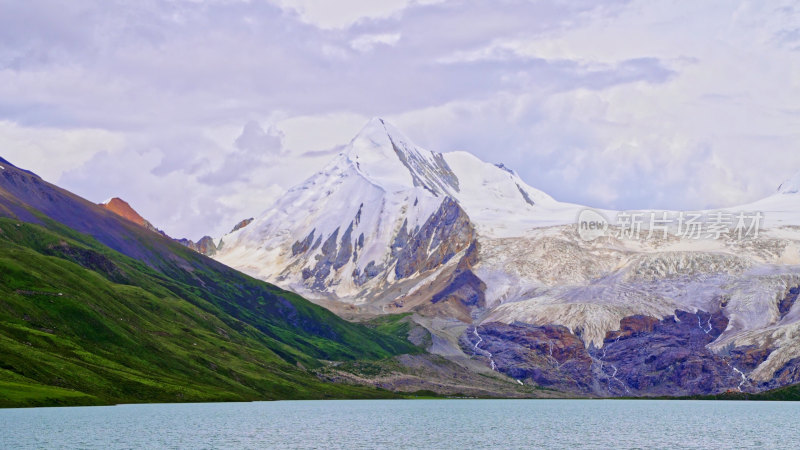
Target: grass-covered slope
71	335
148	319
313	330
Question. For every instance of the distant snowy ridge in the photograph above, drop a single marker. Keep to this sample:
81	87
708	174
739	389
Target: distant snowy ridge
790	186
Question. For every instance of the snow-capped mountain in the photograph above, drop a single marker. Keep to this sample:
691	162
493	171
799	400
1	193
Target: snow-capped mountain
496	270
383	212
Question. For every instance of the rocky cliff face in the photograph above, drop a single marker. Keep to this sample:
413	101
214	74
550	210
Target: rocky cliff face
205	245
496	271
645	357
241	225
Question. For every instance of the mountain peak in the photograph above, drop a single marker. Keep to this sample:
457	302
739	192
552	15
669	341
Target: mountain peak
377	124
123	209
384	155
790	186
375	135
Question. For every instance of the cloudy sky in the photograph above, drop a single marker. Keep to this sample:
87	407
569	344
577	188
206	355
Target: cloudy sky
200	113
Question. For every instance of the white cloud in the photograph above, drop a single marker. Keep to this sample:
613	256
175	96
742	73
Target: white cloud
721	131
254	139
616	104
344	13
51	151
319	132
209	198
367	42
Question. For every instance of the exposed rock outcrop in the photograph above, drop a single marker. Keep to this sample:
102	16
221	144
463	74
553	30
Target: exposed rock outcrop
464	286
242	224
549	356
121	208
205	245
444	234
645	357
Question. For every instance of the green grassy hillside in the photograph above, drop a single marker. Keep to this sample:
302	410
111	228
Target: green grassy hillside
83	324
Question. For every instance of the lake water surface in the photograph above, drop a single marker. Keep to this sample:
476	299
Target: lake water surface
409	424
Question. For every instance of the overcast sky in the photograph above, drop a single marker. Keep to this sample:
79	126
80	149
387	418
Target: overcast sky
200	113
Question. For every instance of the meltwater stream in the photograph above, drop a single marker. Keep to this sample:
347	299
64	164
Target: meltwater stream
409	424
486	352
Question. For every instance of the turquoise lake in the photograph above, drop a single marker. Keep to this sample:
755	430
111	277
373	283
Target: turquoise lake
409	424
